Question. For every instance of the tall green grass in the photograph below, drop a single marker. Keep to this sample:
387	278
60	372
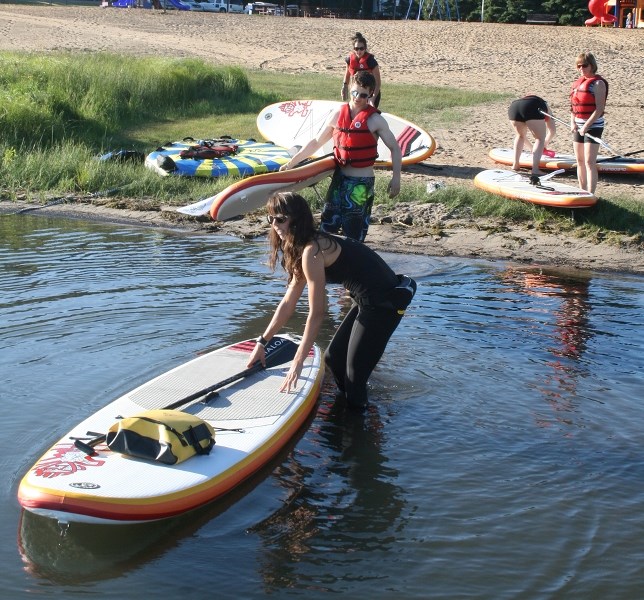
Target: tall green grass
60	111
90	98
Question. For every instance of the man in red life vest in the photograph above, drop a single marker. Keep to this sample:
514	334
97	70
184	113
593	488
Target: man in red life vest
355	128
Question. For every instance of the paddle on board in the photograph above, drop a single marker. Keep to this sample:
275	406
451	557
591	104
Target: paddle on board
278	351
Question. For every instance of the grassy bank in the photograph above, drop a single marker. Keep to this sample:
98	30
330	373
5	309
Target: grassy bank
61	111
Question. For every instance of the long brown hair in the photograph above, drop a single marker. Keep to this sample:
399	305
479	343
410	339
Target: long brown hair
301	231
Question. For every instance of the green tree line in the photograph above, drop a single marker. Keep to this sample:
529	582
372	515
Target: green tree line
568	12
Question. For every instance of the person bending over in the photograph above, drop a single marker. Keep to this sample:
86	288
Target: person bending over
312	258
525	115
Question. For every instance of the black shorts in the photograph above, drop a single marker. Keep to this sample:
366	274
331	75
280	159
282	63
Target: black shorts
594	131
527	109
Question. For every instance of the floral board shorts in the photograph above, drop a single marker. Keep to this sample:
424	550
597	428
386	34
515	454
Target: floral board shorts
348	205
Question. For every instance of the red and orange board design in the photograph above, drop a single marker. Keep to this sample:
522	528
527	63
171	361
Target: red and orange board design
253	422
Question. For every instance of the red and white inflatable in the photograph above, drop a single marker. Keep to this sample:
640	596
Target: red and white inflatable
599	10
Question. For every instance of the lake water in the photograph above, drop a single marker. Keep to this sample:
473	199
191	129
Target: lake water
501	456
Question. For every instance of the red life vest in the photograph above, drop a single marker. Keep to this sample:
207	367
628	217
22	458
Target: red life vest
582	100
353	142
359	64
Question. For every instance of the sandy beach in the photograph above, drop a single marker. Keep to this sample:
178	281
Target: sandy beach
517	59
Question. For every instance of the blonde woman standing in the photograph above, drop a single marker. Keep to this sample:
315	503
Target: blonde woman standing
587	103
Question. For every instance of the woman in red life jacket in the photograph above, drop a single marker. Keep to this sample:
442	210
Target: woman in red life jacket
587	103
355	129
361	60
525	115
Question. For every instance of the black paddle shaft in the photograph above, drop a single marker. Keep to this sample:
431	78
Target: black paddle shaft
617	158
278	351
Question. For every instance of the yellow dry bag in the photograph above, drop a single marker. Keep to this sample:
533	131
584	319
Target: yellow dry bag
166	436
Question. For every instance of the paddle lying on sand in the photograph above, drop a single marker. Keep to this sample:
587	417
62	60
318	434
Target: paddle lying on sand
618	156
278	351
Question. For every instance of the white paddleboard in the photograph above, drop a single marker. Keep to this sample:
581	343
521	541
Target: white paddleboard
295	122
253	419
518	187
605	164
252	193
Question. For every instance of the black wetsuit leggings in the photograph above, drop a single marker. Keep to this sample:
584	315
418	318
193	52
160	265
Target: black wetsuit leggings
356	348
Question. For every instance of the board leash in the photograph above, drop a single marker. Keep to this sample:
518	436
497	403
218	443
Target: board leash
537	180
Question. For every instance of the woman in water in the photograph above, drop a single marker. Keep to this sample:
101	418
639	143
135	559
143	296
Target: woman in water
312	258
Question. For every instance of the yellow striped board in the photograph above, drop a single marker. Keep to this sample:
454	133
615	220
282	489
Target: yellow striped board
248	158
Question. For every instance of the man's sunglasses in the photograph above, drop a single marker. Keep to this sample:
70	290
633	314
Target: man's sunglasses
357	94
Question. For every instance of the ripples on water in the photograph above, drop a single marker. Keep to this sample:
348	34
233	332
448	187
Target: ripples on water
501	456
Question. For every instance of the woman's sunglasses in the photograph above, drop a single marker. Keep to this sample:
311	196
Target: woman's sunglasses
357	94
279	219
358	48
582	66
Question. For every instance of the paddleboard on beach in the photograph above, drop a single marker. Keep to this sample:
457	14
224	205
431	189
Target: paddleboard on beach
216	158
605	164
295	122
518	187
251	194
252	419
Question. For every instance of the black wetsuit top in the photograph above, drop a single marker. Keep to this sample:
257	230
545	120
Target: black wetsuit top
361	271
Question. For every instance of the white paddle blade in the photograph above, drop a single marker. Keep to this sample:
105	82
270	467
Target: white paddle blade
551	175
197	209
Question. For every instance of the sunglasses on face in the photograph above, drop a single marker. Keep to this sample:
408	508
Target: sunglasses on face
357	94
358	48
279	219
582	66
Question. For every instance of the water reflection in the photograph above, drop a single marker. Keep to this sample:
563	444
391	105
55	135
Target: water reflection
506	425
343	502
559	307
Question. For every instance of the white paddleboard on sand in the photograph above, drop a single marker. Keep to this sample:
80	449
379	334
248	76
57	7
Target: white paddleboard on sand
518	187
253	422
295	122
605	164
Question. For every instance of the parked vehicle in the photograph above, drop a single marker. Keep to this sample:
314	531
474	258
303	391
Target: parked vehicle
261	8
220	6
